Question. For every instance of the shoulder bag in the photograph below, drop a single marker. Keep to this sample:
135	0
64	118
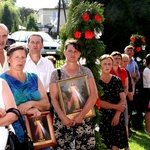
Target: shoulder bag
13	142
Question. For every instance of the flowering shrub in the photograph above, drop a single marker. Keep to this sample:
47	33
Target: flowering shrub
84	23
88	34
138	41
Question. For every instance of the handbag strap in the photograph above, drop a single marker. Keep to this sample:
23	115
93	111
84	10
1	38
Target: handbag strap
59	73
20	118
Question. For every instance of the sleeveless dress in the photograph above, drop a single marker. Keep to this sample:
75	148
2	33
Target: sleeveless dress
22	92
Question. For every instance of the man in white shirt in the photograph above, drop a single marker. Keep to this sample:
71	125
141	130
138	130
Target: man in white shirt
35	63
3	54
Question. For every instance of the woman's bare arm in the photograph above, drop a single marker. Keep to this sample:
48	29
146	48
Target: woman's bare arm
9	102
90	101
41	105
54	99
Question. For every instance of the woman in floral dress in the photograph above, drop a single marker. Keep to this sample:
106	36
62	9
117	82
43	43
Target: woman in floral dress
78	130
112	126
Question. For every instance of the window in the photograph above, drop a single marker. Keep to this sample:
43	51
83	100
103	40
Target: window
53	17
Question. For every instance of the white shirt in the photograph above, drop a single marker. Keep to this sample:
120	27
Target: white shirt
146	78
3	130
43	69
5	65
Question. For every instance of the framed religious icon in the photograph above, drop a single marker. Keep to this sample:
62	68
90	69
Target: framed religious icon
40	129
73	94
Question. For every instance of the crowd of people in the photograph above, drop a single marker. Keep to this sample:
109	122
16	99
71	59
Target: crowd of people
28	82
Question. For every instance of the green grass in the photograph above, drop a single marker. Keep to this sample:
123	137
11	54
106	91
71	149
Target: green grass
139	141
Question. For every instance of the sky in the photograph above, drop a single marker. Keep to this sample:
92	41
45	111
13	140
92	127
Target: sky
37	4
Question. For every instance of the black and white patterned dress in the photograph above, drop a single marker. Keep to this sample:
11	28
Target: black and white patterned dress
112	135
83	134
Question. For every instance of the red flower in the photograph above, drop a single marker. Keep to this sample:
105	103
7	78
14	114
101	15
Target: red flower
89	34
77	34
138	49
133	39
98	103
97	18
86	17
143	40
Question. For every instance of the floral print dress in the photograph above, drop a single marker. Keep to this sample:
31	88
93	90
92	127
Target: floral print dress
82	135
112	135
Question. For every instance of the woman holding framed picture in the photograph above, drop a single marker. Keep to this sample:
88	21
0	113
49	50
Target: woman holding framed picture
78	129
27	89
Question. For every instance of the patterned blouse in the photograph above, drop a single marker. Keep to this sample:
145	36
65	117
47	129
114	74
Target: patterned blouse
81	71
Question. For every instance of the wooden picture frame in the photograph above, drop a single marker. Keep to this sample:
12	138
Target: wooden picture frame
73	94
41	131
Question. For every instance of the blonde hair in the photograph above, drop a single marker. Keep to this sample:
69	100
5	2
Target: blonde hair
125	56
105	56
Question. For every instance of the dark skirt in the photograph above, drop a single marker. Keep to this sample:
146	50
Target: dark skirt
146	99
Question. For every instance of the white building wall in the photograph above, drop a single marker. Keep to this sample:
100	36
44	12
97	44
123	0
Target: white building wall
47	16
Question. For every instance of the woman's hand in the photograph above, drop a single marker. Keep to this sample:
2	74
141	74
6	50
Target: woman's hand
2	112
67	122
24	107
121	107
133	75
130	96
34	112
77	120
115	119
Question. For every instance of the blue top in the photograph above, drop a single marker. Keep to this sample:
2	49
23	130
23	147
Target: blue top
132	67
22	92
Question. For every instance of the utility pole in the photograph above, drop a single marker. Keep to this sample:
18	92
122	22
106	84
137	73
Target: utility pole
64	8
59	8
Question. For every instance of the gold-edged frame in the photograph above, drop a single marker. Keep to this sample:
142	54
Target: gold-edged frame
40	130
73	94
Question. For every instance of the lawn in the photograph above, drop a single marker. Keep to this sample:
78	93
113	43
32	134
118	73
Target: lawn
139	141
